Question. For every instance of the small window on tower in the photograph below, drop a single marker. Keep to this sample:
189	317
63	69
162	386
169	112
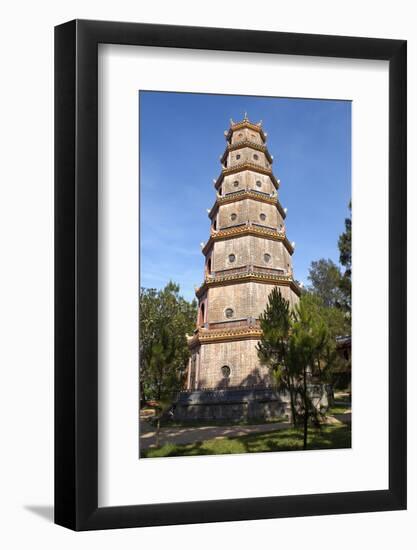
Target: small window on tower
237	157
229	312
259	183
236	183
240	135
262	216
267	258
225	371
232	258
256	157
233	216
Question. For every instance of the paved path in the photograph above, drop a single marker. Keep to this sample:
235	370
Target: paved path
344	418
183	436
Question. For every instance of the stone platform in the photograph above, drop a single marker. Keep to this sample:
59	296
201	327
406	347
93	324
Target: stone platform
231	404
242	403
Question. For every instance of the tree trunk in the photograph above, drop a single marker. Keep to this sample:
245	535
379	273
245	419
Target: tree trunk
289	383
293	412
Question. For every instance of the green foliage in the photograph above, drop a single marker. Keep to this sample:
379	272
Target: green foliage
311	353
164	320
272	349
275	325
331	319
345	243
325	277
310	338
345	249
299	347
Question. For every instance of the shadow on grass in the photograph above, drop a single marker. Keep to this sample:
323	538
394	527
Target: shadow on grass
326	437
221	423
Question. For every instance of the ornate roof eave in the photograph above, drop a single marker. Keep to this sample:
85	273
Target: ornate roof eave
204	336
241	231
238	278
246	166
245	124
246	143
246	195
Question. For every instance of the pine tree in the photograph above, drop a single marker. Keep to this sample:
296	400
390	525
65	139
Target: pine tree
272	349
165	319
325	277
298	348
307	346
345	249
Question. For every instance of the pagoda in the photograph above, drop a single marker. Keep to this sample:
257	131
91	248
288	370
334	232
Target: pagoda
246	255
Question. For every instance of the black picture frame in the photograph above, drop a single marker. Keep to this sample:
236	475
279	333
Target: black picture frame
76	272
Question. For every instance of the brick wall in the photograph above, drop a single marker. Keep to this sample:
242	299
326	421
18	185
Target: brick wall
246	300
249	250
249	210
247	180
242	359
246	134
247	154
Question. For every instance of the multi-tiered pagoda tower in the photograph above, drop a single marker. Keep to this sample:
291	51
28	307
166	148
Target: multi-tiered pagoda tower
246	256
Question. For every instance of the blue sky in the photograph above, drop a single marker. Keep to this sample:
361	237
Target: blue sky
181	139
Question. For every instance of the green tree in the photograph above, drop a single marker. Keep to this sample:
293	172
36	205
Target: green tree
345	249
325	277
300	350
345	243
272	349
334	317
162	372
307	349
165	319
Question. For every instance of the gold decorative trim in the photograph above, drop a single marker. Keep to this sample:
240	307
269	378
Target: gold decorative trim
245	124
223	234
246	194
204	336
247	143
246	166
245	230
248	277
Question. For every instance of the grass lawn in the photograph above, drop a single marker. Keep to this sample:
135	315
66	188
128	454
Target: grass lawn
338	409
204	423
328	437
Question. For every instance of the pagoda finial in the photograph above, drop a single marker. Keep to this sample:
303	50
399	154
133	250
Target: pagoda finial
259	123
232	122
245	118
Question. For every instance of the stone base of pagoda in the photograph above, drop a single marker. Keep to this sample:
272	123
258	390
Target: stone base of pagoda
232	404
243	403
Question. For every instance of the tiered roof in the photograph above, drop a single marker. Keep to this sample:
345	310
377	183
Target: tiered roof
243	328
